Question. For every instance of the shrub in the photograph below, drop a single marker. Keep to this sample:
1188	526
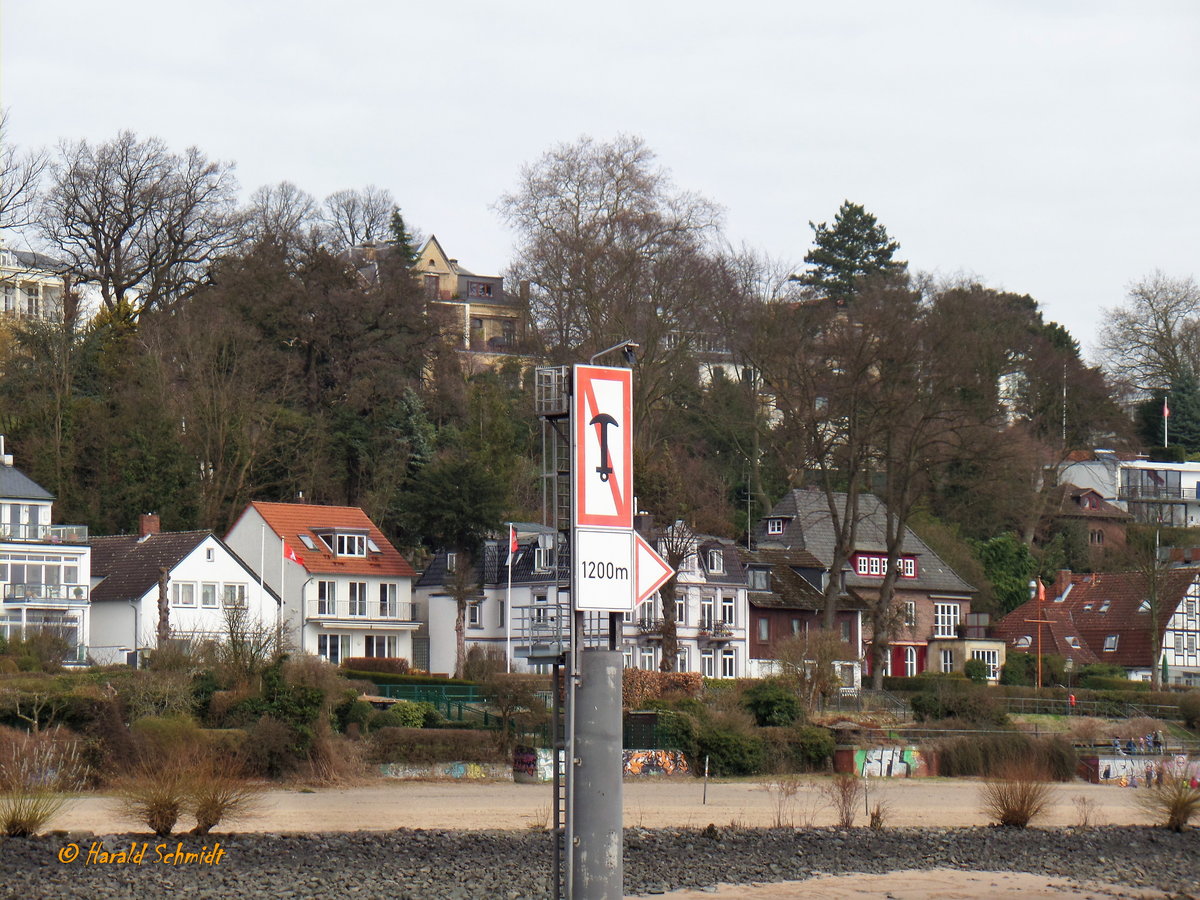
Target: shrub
679	731
219	791
976	670
363	664
423	746
35	771
400	714
270	748
801	748
638	686
771	703
991	754
1189	708
969	703
844	792
1016	795
731	747
154	793
353	711
1172	801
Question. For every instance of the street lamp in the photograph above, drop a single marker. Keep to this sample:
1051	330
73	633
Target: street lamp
629	348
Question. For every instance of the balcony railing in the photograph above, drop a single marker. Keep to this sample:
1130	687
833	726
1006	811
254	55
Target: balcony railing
650	627
46	593
717	631
46	534
367	611
1157	492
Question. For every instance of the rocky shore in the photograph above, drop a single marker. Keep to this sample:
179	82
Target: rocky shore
515	865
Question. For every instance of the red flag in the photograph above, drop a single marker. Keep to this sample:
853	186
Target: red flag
1166	409
289	553
512	544
1041	592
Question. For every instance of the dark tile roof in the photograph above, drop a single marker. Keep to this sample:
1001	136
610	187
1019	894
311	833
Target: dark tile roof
1103	604
789	588
16	485
491	569
808	526
130	565
1070	503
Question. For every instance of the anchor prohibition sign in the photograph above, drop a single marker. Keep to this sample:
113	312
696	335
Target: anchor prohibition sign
603	445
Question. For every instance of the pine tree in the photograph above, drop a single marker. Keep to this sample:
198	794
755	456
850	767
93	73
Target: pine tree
402	240
854	247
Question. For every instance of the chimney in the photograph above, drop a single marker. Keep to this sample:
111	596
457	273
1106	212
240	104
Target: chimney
1061	583
148	523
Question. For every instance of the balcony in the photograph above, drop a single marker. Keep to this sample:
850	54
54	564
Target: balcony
716	632
369	612
651	628
58	594
45	534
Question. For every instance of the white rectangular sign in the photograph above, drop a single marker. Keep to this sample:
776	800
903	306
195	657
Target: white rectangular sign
604	574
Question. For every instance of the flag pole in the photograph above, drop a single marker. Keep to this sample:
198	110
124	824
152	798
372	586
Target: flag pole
508	604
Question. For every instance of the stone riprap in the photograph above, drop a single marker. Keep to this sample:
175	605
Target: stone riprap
514	865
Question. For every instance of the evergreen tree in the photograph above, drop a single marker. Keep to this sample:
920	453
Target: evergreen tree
856	246
402	240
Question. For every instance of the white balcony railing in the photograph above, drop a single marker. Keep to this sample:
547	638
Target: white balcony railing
46	593
45	534
366	611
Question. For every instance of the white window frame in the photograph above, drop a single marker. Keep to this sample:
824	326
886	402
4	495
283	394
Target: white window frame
862	565
729	663
947	661
1110	642
326	598
680	609
357	598
350	544
183	593
474	613
728	609
707	611
209	598
910	661
910	568
910	613
946	619
876	565
333	647
991	658
716	562
647	655
708	664
389	593
764	629
775	526
233	596
372	642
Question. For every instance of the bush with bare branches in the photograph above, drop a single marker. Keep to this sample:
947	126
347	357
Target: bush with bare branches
36	773
1173	801
1016	794
845	792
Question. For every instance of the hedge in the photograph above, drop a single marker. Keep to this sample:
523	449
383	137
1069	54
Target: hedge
641	685
389	665
422	745
385	678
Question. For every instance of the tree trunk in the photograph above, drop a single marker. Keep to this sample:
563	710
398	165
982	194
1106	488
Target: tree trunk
460	637
164	610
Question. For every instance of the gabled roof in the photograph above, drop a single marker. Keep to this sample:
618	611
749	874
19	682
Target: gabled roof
16	485
789	588
1101	605
491	569
808	526
1087	503
451	264
294	521
130	564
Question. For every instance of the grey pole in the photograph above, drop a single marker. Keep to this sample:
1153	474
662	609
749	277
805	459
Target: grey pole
598	862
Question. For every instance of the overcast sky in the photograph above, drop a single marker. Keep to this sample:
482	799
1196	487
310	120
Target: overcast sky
1047	148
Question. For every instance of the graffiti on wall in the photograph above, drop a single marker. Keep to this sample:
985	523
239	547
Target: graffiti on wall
654	762
454	770
532	765
1132	771
890	762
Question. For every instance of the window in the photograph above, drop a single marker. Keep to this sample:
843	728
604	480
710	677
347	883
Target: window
1191	643
543	559
380	645
208	595
795	626
992	659
681	610
333	647
307	542
681	660
235	595
1072	642
1179	642
184	594
503	610
845	623
945	620
647	659
351	544
716	562
209	554
876	565
541	614
1104	606
478	289
947	661
727	609
862	564
473	613
760	580
1023	641
1110	642
728	663
910	568
388	607
774	526
910	661
706	612
764	628
627	657
707	667
372	546
1191	607
910	613
358	598
326	598
451	562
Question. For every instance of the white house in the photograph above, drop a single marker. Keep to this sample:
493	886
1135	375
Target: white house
29	287
1152	492
497	617
204	580
45	569
345	590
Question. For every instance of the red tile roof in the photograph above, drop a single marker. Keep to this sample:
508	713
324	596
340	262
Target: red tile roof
1099	605
291	521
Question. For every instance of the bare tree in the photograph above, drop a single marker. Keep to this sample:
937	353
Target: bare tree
20	176
139	222
677	544
1155	337
463	587
354	218
282	213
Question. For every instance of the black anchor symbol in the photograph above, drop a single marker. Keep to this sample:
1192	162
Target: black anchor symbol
604	420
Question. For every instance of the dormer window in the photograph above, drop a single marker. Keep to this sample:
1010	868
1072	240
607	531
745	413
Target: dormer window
760	580
543	558
1072	642
1023	641
774	526
344	544
716	562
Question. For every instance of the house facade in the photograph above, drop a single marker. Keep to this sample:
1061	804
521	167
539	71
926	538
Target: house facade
208	588
711	615
1108	618
931	600
45	569
344	590
29	287
1151	492
499	618
1103	523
